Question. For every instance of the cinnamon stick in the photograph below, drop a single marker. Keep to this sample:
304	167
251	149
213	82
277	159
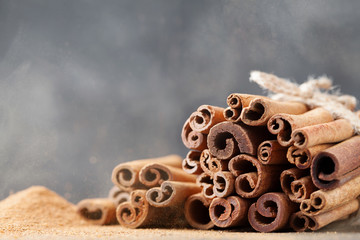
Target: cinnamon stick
330	132
301	222
171	193
296	184
302	158
223	183
207	183
323	200
197	212
228	139
236	103
229	212
271	212
191	163
154	174
271	152
253	178
260	110
100	211
192	139
138	213
118	196
205	117
284	124
210	164
336	165
126	175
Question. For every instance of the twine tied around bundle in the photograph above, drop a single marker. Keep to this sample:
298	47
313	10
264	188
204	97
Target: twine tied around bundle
314	93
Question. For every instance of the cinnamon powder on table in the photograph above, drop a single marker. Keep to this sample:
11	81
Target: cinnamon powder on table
37	208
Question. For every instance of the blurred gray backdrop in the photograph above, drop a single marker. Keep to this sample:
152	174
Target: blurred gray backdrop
85	85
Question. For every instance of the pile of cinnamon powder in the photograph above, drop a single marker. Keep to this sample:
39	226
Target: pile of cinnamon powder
37	208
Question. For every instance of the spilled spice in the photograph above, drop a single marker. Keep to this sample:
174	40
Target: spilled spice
37	207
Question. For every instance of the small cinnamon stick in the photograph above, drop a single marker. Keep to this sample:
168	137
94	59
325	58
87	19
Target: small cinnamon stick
296	184
228	139
323	200
330	132
197	212
191	163
236	103
138	213
229	212
210	164
302	158
154	174
260	110
284	124
301	222
192	139
252	177
223	183
205	117
100	211
118	196
126	175
336	165
271	152
271	212
171	193
207	183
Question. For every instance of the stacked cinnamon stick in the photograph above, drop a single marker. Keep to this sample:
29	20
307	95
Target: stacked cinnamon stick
260	163
271	165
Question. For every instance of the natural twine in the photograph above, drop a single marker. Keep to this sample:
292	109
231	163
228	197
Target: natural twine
314	93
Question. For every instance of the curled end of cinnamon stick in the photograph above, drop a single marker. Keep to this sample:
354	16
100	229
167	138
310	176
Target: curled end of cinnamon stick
300	139
271	212
232	114
197	212
124	176
118	196
205	117
191	163
299	222
100	211
323	169
192	139
255	113
229	212
279	124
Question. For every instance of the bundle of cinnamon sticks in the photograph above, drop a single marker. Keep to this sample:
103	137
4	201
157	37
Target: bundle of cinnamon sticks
260	163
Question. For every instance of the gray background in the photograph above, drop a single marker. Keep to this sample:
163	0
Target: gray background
85	85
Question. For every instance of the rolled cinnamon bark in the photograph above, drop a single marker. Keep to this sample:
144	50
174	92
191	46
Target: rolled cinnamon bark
171	193
138	213
192	139
284	124
322	201
207	183
271	152
229	212
302	158
223	183
100	211
300	221
330	132
228	139
236	103
262	109
154	174
271	212
336	165
205	117
197	212
126	175
191	163
253	178
211	165
118	196
296	184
